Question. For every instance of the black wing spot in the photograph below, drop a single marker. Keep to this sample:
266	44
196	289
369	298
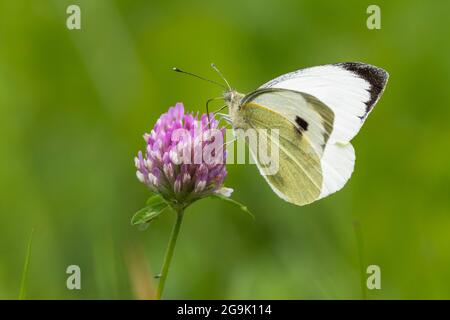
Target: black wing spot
302	123
377	78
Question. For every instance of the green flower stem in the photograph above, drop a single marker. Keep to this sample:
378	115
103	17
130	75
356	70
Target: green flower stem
169	254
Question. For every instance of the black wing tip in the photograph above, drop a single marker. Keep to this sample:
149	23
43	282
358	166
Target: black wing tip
366	71
376	77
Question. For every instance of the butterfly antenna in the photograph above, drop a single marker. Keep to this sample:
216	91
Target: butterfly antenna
221	75
199	77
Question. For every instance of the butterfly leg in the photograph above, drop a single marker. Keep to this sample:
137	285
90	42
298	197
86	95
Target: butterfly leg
220	109
207	108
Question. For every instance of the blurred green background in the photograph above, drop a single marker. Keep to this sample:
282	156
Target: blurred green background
74	106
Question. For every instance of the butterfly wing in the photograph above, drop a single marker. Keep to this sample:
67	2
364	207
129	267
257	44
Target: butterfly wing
300	144
350	90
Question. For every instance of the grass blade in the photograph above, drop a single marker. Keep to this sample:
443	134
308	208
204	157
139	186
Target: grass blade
23	283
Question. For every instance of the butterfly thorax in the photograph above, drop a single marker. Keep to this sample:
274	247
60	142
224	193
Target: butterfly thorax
233	101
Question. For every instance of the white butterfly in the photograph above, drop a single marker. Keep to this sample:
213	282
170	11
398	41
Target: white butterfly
317	111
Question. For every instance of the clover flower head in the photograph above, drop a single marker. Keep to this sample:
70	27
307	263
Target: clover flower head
185	157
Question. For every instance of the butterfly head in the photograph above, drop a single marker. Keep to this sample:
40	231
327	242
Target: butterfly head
232	98
233	101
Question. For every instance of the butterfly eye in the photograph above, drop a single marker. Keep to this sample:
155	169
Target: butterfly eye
227	96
